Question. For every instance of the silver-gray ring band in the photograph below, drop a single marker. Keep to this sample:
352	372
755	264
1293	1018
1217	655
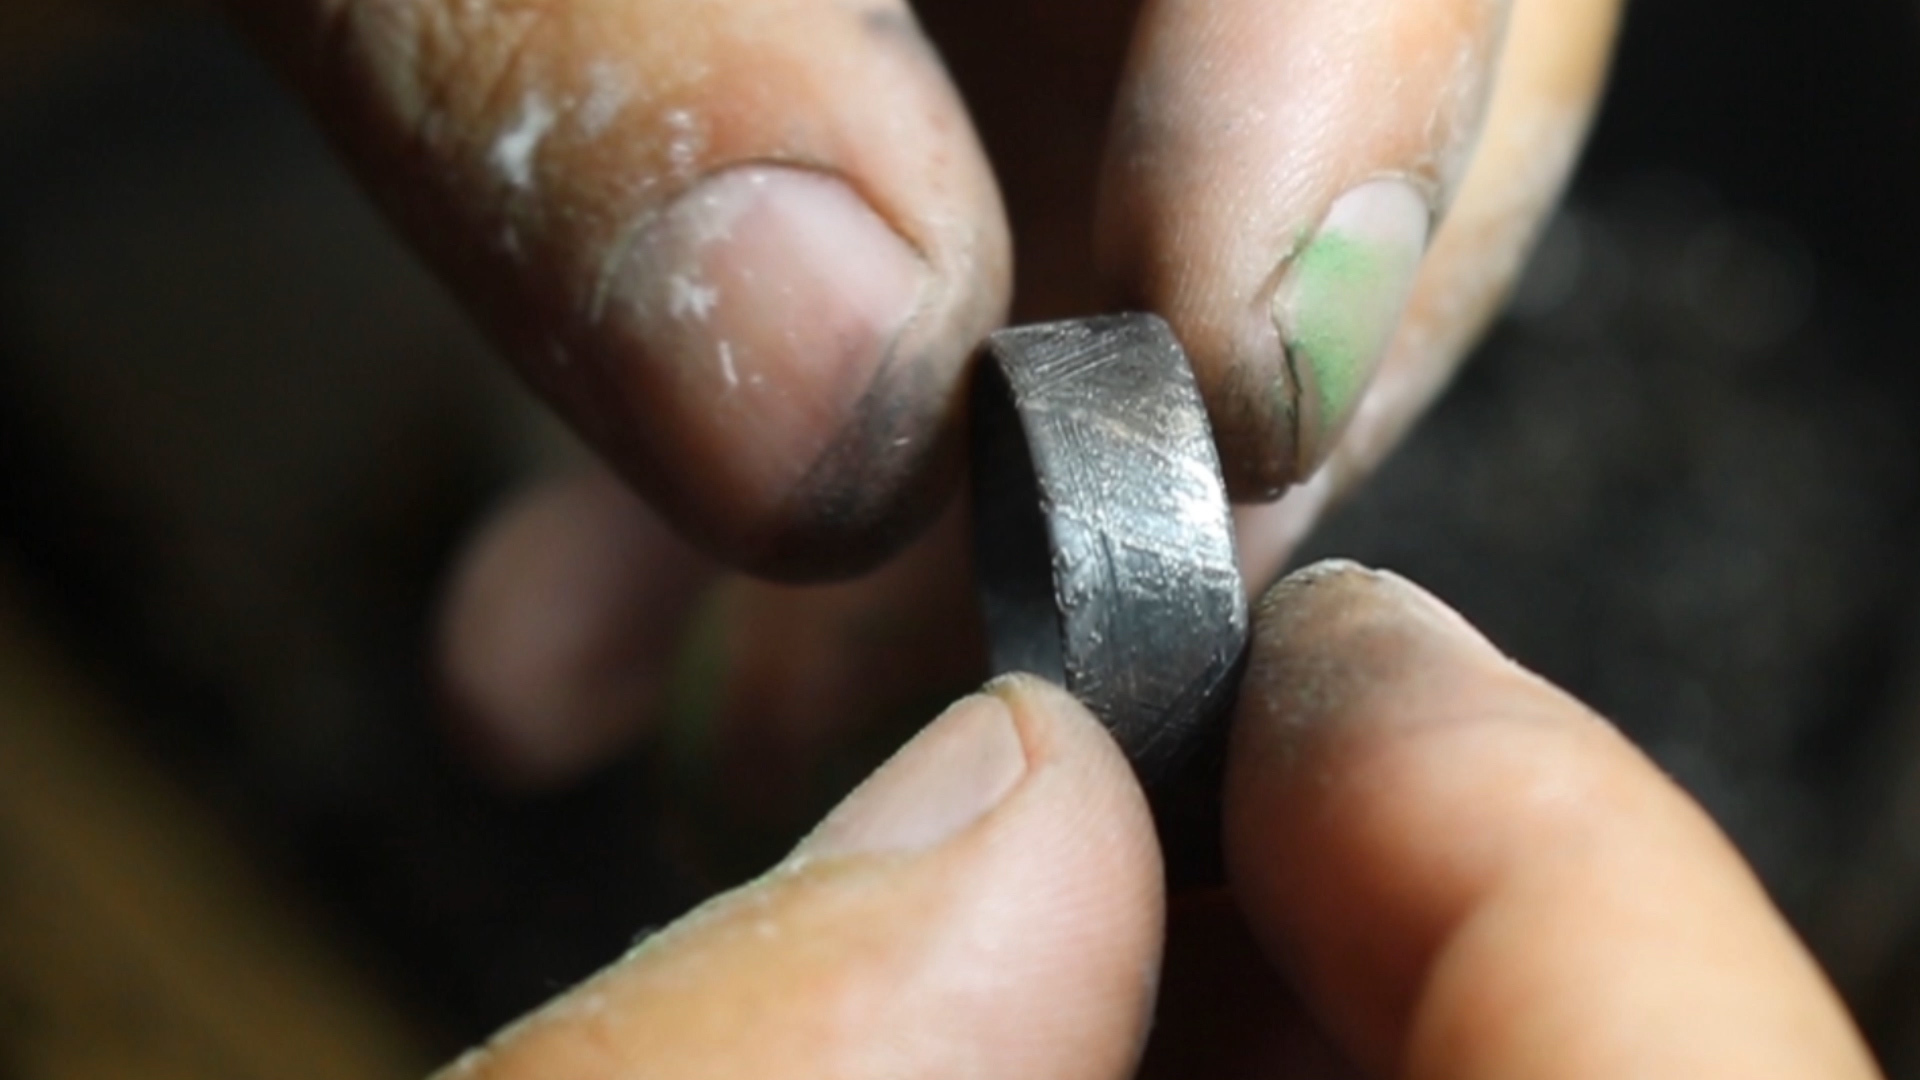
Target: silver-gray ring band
1103	538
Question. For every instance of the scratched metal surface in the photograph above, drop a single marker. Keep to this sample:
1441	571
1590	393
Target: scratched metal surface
1142	587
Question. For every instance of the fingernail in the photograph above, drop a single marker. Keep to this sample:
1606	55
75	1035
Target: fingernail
765	298
951	775
1352	593
1338	306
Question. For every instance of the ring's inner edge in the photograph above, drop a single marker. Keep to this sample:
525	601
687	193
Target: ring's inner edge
1013	551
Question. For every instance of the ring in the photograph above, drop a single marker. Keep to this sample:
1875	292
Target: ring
1102	534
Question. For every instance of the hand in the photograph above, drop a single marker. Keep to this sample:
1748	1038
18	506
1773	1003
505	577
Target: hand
746	246
1439	866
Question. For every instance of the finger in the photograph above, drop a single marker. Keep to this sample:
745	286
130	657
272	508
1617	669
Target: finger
988	904
560	626
1469	875
1549	78
1273	183
577	624
744	247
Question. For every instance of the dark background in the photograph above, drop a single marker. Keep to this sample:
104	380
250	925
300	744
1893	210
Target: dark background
1680	480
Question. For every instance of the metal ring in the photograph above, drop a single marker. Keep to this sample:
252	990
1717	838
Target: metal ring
1102	534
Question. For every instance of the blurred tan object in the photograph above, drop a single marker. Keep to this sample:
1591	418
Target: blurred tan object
133	941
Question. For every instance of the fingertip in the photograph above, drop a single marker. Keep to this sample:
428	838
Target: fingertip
1086	792
557	630
1371	719
745	253
1271	182
1325	630
985	904
1467	873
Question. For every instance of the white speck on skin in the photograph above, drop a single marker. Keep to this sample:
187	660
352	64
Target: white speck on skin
699	221
686	141
607	93
689	298
727	370
513	151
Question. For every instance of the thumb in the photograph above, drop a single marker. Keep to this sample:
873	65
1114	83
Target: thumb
987	904
1467	874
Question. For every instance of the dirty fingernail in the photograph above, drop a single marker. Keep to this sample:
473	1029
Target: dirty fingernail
1339	303
764	300
1334	596
1336	636
950	775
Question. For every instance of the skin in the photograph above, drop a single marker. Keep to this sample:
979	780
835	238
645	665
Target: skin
1439	866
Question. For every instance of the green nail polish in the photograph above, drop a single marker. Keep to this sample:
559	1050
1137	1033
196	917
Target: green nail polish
1339	305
